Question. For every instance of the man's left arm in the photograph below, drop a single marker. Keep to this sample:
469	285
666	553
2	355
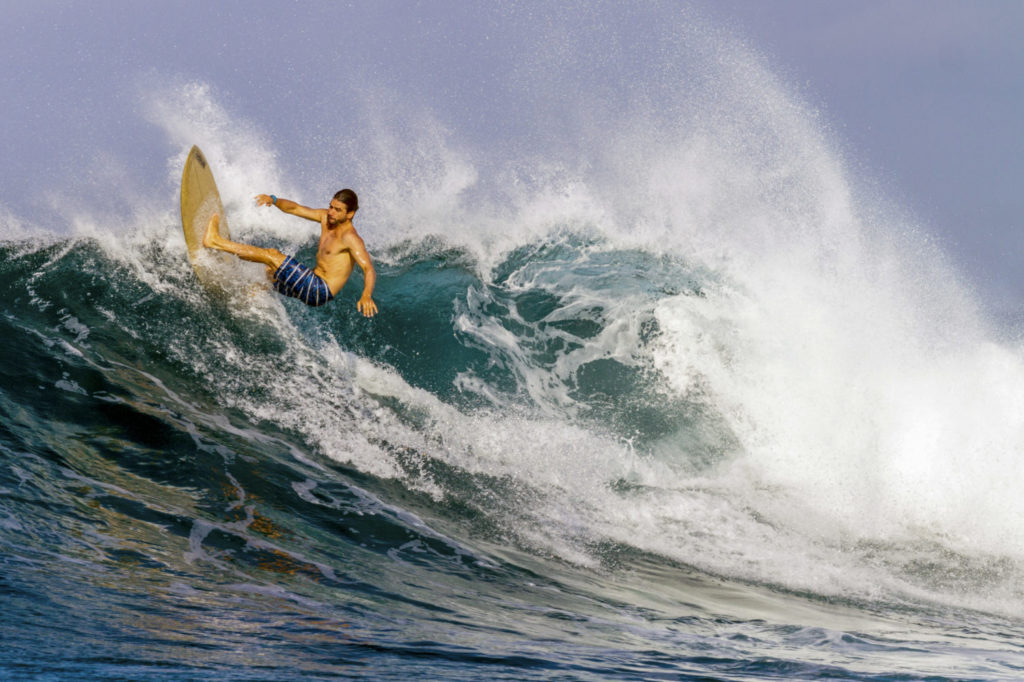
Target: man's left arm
359	254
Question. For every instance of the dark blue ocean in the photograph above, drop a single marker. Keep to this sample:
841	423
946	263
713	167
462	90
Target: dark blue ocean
663	386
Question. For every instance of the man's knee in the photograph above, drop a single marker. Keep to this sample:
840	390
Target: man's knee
275	259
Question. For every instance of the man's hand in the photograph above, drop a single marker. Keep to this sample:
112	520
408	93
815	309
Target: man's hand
366	306
264	200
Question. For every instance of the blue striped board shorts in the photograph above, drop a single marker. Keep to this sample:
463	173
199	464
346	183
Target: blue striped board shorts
298	281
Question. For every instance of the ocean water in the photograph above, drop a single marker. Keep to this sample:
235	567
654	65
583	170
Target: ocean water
666	393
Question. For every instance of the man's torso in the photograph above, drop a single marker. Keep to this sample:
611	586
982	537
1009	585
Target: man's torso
333	258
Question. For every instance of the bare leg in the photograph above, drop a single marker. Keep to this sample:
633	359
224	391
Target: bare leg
272	258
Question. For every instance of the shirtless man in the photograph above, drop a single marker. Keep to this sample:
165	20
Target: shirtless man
340	244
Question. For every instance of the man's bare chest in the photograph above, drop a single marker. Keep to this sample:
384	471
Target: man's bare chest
331	245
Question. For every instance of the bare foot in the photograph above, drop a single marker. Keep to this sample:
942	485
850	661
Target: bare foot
212	235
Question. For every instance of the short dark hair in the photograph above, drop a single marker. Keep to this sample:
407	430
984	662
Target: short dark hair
349	198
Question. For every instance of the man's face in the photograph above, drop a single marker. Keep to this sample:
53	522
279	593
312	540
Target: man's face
337	212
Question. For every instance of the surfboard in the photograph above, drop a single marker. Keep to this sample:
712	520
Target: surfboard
199	201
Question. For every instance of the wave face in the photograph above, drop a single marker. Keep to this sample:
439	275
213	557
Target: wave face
669	395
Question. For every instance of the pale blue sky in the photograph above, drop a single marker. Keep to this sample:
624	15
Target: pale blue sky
929	95
925	97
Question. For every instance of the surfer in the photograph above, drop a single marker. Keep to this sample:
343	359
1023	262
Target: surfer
340	245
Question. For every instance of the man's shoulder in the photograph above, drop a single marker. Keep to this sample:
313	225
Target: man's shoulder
350	233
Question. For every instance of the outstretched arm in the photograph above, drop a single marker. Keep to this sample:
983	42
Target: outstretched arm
291	207
357	248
